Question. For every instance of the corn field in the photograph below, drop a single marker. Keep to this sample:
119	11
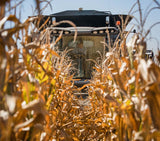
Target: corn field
37	101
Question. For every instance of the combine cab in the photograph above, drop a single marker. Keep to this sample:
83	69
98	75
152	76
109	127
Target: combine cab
91	27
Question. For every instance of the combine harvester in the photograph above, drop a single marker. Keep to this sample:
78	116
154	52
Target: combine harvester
92	28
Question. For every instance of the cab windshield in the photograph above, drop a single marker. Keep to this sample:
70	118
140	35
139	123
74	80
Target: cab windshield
83	51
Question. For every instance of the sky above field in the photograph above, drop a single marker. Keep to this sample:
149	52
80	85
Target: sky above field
115	6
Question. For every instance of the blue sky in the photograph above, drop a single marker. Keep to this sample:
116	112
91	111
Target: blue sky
115	6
